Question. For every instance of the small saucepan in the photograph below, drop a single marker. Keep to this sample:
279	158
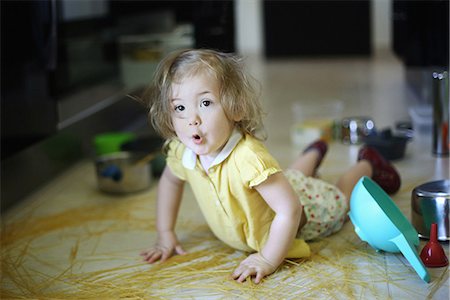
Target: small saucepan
430	203
353	130
124	172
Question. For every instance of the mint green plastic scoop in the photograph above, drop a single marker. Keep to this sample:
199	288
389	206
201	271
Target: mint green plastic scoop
380	223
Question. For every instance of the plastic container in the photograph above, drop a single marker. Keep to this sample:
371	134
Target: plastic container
422	119
314	121
141	53
391	147
380	223
111	142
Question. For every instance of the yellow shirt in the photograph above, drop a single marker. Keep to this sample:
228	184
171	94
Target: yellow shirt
234	210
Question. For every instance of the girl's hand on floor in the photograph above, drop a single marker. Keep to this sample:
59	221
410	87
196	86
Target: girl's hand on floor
166	245
254	265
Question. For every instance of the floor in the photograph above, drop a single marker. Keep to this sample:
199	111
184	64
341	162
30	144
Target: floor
71	241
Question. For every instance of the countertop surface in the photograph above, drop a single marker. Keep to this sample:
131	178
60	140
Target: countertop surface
71	241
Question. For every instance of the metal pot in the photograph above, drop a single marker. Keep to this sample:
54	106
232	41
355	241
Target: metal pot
430	203
123	172
354	129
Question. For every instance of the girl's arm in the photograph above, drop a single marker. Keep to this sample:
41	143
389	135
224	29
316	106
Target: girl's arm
280	196
170	191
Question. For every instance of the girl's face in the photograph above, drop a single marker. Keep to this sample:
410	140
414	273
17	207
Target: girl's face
197	115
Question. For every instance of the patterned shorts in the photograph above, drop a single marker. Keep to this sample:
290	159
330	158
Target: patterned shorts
324	204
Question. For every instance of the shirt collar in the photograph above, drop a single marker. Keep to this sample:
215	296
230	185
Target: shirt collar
189	159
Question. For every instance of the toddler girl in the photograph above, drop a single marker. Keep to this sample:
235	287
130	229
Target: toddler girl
204	104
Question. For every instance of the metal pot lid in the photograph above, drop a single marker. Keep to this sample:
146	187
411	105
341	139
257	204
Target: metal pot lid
439	188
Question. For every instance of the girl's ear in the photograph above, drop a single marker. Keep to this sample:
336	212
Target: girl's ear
237	118
238	113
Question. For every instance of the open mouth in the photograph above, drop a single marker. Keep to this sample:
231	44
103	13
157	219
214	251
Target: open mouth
197	139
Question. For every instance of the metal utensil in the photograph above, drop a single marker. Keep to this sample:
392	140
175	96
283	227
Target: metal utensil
430	203
123	172
354	129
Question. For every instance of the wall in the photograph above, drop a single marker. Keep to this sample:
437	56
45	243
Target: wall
249	26
382	24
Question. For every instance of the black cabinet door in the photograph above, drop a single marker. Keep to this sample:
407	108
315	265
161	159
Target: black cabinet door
421	32
305	28
214	25
28	113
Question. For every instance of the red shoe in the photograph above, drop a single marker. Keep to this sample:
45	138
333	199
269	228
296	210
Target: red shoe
383	172
321	147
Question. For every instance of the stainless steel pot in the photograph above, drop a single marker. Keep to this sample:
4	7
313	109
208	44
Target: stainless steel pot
123	172
430	203
354	129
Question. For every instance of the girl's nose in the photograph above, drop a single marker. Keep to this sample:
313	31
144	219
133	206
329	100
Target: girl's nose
194	120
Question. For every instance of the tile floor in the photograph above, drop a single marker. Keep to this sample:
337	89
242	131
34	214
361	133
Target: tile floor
70	241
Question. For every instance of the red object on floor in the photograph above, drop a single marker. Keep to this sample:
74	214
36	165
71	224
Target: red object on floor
433	255
321	147
384	172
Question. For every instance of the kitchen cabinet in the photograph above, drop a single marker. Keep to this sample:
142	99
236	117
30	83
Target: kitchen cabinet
421	42
61	76
317	28
421	32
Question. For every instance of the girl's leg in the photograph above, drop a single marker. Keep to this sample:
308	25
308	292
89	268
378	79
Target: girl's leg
311	158
348	180
307	162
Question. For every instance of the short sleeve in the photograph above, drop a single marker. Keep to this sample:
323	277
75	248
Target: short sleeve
173	160
256	164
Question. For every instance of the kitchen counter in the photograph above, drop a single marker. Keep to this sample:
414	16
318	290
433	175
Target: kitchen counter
71	241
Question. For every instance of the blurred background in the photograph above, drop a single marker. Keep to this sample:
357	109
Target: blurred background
67	66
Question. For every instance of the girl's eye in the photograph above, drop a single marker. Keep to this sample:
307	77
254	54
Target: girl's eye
206	102
179	108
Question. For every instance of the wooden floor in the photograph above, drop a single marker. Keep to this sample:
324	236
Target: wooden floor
70	241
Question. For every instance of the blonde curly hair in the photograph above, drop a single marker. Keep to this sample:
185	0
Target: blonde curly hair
238	96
